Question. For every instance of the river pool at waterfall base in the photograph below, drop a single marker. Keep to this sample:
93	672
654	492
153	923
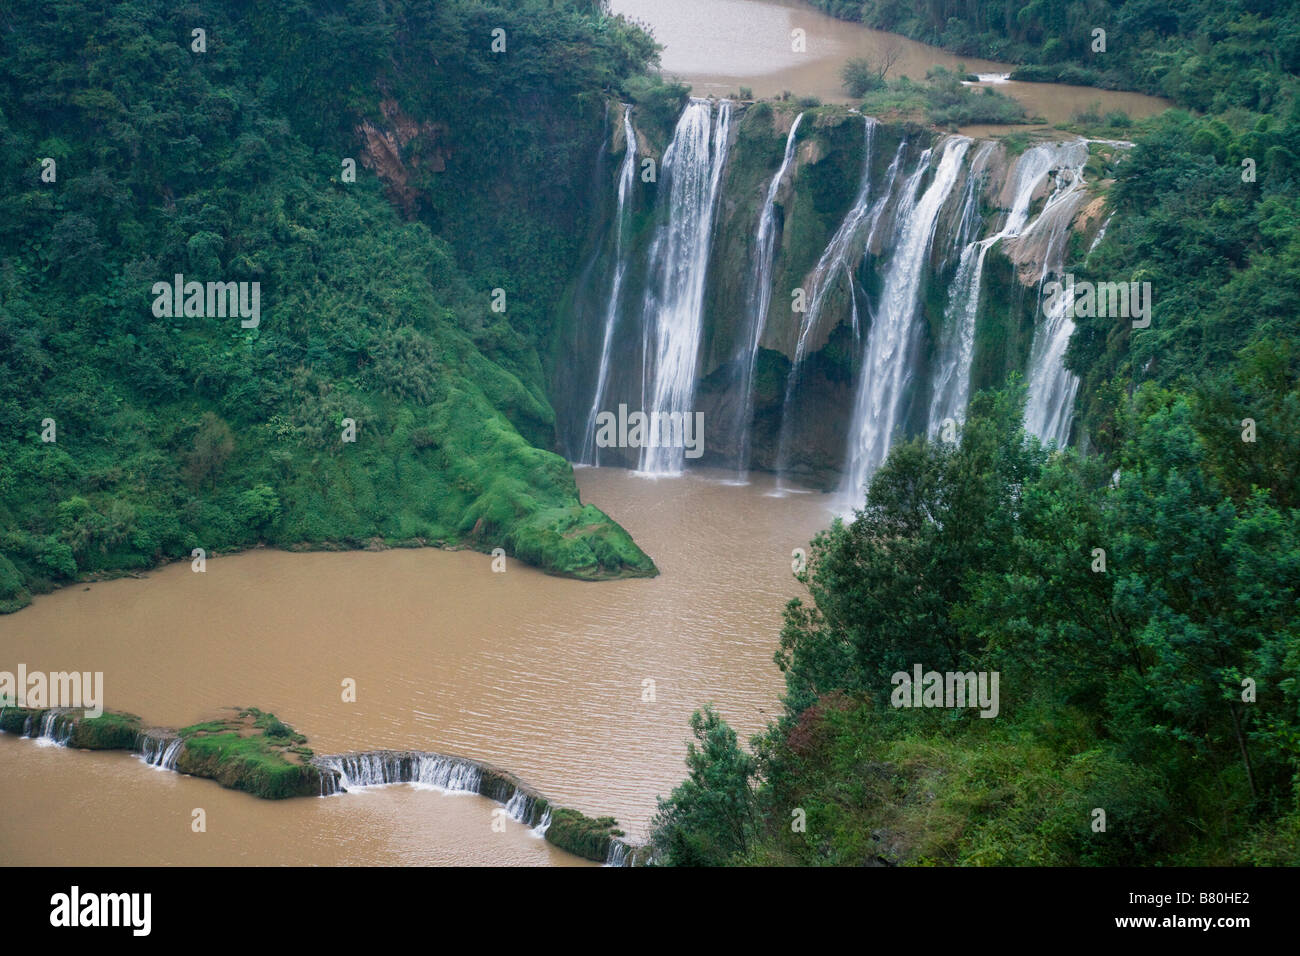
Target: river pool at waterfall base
542	676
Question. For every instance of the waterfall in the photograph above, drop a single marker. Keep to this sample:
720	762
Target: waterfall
1049	406
904	269
544	824
853	307
842	253
160	750
679	261
846	246
379	768
761	295
590	454
952	379
619	853
51	732
887	366
1101	234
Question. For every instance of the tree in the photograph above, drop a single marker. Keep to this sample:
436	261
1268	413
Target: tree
213	445
707	819
885	586
860	77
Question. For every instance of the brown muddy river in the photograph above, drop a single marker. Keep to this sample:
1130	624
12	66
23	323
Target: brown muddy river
539	675
718	46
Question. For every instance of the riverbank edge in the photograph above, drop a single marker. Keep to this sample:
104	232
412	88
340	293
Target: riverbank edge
597	839
22	597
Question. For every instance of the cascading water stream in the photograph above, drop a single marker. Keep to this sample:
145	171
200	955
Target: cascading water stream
842	253
381	768
846	245
952	378
1049	405
679	260
886	367
619	853
920	223
160	750
626	176
52	732
761	296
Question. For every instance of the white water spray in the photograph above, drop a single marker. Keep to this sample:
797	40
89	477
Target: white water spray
679	260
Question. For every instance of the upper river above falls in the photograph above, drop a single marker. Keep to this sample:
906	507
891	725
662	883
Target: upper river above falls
718	46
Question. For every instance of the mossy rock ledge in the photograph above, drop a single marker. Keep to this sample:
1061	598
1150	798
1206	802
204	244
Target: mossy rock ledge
248	750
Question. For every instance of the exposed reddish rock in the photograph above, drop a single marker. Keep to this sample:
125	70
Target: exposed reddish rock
389	153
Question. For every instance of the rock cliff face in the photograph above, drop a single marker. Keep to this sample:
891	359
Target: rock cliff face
398	148
862	281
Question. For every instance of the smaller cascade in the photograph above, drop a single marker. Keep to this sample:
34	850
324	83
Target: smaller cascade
520	807
381	768
957	340
952	380
52	732
846	246
845	249
626	176
620	854
543	824
1052	388
330	781
761	295
1101	234
160	749
1049	404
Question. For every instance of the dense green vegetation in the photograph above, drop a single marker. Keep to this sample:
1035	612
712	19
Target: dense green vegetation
376	296
1161	689
1139	598
942	98
587	837
1205	54
251	751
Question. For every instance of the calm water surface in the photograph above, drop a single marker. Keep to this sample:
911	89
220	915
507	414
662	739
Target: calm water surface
542	676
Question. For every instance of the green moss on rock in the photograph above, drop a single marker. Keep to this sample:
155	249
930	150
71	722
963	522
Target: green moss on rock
581	835
251	751
110	731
